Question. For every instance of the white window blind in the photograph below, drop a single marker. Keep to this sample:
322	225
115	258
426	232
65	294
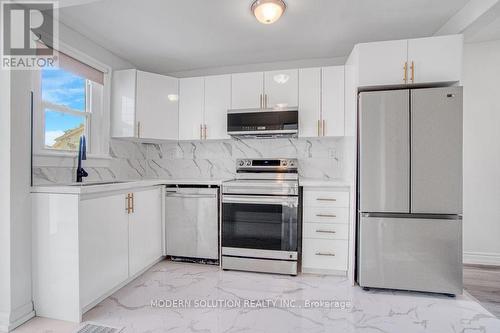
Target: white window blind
76	67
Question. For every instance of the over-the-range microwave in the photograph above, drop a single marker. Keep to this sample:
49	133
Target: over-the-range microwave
263	123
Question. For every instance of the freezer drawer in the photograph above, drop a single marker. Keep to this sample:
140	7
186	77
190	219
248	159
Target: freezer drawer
411	254
384	151
436	151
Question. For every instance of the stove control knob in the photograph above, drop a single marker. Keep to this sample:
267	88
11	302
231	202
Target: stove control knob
284	163
248	163
242	163
291	163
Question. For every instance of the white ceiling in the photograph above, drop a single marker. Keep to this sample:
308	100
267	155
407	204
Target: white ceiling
167	36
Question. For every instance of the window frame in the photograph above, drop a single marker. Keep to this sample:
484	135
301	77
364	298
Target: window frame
97	123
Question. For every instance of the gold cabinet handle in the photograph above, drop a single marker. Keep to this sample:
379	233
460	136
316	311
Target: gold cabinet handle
324	127
201	132
326	231
330	254
265	101
412	72
261	99
326	199
405	78
138	129
132	208
128	208
326	215
205	131
319	127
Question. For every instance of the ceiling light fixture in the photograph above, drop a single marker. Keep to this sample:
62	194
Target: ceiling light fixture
268	11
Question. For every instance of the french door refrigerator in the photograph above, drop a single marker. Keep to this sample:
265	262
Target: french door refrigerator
410	190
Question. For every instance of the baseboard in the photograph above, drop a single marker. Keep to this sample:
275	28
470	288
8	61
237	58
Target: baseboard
17	317
481	258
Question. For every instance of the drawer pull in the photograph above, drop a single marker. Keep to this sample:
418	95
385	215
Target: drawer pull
326	231
326	199
329	254
326	215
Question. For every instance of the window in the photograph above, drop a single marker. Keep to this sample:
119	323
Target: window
70	100
66	109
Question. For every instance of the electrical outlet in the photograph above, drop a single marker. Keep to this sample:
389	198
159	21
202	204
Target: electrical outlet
332	153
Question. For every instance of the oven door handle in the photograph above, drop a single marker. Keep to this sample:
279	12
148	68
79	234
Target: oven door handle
261	200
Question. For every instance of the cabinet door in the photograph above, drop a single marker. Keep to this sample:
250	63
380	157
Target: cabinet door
191	102
103	236
217	102
332	101
123	104
435	59
145	229
247	90
382	63
309	101
156	106
281	88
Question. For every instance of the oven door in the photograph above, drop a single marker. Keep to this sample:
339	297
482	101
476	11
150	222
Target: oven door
263	223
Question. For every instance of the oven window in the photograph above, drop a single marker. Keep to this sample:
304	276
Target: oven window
257	226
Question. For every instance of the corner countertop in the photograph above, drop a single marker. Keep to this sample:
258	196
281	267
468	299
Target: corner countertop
96	187
311	182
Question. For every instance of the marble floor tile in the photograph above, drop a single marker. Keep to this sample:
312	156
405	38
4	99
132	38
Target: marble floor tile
180	297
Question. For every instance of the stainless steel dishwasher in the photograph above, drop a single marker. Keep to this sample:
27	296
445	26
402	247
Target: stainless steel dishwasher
192	226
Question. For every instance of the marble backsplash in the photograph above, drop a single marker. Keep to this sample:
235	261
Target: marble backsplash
319	158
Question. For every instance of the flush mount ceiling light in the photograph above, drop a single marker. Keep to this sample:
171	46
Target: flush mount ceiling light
173	97
281	78
268	11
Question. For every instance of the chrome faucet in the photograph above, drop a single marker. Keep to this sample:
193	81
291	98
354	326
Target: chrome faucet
82	156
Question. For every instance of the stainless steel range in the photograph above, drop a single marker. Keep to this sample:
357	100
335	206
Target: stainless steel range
260	212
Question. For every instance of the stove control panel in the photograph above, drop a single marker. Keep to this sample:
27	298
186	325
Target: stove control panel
268	164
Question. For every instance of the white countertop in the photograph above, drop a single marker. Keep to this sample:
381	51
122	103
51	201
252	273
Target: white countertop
91	187
95	187
324	182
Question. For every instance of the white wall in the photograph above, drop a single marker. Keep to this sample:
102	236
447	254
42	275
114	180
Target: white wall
482	153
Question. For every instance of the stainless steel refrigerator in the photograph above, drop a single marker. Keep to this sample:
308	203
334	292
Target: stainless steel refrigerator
410	190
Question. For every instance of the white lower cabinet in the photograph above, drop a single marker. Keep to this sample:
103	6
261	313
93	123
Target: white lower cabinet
86	246
325	234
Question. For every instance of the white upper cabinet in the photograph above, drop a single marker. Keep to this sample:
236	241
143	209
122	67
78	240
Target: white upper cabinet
332	101
413	61
435	59
281	88
144	105
157	106
309	102
247	90
382	63
217	102
191	105
321	101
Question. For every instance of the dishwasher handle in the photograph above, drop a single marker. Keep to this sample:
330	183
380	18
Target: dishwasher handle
190	196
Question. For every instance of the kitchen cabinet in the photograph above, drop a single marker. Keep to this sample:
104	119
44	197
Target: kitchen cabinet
88	245
260	90
413	61
435	59
321	101
281	88
332	101
217	102
325	242
145	229
204	102
309	102
191	106
247	90
144	105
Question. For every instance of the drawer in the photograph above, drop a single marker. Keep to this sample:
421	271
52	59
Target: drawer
325	215
325	254
326	231
325	198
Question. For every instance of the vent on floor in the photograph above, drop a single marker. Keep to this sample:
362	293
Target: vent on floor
95	328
